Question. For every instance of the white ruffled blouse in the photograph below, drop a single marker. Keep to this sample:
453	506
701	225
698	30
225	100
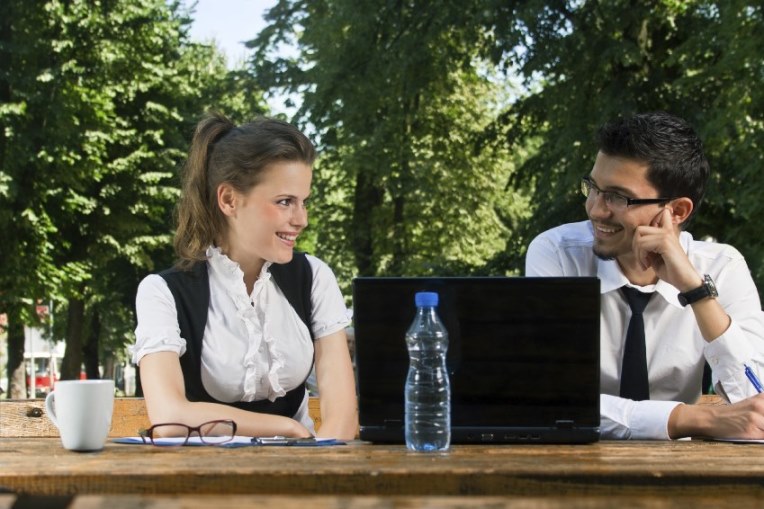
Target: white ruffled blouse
255	346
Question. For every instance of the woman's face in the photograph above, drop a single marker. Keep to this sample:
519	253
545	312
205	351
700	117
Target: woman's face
264	223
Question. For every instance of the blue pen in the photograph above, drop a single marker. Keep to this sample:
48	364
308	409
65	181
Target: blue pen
753	378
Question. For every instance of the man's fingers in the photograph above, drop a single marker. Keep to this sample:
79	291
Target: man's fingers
662	220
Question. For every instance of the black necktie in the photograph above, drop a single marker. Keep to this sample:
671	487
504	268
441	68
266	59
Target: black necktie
634	384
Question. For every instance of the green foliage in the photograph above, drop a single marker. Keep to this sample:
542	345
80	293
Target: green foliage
432	160
97	102
398	99
588	62
721	84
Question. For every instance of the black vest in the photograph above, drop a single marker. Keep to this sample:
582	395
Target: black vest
191	291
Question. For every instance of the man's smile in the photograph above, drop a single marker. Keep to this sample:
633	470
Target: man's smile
604	230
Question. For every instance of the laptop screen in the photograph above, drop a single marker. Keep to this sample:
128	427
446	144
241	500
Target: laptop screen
523	352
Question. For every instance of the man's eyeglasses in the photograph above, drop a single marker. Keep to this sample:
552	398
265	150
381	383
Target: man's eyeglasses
209	433
615	201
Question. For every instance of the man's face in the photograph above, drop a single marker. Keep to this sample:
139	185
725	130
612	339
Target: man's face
613	228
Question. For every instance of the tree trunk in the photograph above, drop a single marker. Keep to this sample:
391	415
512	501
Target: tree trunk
368	198
109	367
91	348
71	365
401	189
17	375
398	261
138	386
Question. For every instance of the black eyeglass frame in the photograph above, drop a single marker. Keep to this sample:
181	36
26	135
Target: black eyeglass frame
147	435
587	185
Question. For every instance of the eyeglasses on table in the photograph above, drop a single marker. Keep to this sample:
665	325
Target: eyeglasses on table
210	433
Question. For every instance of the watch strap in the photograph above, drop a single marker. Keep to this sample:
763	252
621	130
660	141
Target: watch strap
707	289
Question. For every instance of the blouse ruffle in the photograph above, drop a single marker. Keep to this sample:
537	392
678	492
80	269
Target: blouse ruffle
251	310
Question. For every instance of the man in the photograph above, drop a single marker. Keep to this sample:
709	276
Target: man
701	303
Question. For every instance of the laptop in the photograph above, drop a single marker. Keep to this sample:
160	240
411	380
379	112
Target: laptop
523	357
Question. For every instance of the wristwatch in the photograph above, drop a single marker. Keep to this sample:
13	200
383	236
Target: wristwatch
706	290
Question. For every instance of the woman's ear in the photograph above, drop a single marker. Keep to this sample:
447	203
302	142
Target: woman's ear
227	199
681	208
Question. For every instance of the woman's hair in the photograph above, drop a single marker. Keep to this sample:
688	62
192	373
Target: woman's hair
221	153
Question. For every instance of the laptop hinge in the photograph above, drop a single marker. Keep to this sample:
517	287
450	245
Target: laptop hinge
565	424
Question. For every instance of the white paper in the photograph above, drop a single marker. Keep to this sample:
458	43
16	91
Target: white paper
194	440
739	440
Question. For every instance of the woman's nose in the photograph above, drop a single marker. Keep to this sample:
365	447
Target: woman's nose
300	216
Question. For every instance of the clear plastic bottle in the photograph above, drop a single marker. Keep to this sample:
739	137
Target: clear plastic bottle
428	392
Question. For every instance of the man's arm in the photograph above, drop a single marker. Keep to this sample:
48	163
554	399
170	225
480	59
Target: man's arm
657	246
732	325
624	419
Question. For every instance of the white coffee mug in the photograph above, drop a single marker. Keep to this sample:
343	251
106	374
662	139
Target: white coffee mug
81	410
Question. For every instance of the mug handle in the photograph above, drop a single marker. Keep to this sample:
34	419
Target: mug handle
50	408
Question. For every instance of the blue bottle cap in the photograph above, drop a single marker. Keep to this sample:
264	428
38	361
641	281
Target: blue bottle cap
426	299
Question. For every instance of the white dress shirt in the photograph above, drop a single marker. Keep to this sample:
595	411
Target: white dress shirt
676	350
255	346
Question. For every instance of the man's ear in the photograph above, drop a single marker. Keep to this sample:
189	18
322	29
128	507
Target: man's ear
227	199
681	208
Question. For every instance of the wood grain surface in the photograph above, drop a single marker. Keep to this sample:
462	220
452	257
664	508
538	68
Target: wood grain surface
550	501
680	468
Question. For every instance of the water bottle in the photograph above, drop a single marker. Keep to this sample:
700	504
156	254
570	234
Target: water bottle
428	393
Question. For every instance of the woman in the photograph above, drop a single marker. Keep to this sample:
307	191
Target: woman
232	331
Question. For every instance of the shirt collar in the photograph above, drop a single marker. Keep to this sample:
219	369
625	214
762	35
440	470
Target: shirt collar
228	269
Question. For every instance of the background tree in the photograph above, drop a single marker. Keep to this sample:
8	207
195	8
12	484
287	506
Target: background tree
28	269
585	63
432	160
720	87
100	102
396	97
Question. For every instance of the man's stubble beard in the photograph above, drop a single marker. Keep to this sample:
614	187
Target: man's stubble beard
601	254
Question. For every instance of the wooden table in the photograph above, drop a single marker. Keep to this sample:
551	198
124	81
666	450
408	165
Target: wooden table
40	466
382	502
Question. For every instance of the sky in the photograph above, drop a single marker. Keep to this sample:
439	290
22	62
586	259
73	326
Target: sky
229	23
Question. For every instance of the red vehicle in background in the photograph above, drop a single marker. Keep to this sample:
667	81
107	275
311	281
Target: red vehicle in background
47	370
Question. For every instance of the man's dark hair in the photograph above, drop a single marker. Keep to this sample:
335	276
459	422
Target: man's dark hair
677	166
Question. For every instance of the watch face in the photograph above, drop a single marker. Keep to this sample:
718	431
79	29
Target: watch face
709	283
